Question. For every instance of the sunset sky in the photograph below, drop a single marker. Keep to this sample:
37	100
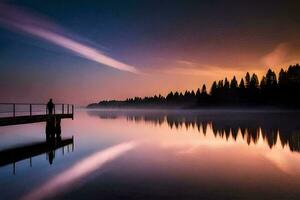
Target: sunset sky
85	51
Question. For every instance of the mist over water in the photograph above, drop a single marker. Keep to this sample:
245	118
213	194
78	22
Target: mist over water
212	154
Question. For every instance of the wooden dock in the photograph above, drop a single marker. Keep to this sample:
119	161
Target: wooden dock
21	113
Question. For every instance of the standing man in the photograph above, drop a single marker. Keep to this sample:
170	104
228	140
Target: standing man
50	106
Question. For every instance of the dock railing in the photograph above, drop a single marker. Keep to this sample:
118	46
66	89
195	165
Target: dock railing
31	109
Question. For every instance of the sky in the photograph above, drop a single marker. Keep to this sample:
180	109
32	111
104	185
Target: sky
86	51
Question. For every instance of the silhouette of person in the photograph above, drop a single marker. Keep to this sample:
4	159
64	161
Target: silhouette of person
50	106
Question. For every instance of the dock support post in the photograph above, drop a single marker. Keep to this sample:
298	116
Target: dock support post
72	143
72	111
14	110
14	168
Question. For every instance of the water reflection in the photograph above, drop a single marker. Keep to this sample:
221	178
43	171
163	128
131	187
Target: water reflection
16	154
163	155
273	127
53	142
80	169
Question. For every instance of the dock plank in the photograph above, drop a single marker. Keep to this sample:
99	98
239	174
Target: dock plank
6	121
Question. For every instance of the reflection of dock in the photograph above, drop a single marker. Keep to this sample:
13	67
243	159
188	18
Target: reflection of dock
20	113
13	155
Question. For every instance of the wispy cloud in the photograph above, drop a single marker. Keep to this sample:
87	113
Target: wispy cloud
191	68
80	169
277	56
186	62
20	20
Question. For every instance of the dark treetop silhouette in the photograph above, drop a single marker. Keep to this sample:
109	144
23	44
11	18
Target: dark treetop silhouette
270	91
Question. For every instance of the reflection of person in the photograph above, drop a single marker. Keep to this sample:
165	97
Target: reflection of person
58	128
51	156
50	106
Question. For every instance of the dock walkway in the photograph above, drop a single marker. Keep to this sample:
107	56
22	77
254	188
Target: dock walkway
24	113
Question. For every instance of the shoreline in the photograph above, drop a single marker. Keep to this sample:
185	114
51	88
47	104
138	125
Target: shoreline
198	109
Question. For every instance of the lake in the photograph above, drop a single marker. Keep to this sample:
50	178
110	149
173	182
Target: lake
158	154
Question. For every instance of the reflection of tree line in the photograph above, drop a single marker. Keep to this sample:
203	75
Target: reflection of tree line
286	126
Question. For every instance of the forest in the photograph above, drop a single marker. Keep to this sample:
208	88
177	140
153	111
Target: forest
272	90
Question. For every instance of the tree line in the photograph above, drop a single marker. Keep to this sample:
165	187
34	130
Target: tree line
272	90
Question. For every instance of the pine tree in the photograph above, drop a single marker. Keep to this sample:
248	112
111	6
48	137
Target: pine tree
263	83
226	84
247	78
282	79
254	81
271	81
220	84
242	84
233	83
214	88
203	91
170	96
198	93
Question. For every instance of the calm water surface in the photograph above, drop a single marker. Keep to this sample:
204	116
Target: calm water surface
158	155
